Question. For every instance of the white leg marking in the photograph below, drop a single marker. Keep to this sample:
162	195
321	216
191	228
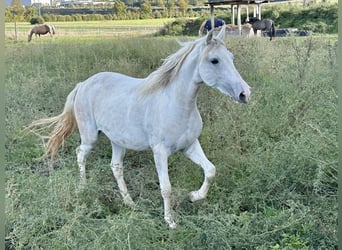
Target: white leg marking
160	158
82	152
196	154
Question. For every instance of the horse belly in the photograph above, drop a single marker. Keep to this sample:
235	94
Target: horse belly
124	128
105	99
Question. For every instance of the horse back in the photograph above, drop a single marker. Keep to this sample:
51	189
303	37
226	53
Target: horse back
107	90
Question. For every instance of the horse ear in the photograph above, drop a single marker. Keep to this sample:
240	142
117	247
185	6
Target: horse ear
222	34
209	36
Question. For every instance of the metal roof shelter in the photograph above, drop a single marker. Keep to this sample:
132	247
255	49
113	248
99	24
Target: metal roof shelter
238	3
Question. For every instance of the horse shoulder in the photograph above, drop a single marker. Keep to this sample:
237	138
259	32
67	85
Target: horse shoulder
182	130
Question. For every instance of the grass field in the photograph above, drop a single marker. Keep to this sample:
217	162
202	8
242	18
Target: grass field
276	157
114	28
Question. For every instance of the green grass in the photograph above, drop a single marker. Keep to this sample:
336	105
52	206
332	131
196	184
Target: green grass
90	29
276	157
92	24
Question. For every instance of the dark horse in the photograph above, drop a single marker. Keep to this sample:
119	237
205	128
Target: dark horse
264	25
42	30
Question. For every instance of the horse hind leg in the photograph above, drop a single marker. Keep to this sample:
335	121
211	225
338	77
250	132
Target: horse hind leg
82	152
117	169
88	140
51	35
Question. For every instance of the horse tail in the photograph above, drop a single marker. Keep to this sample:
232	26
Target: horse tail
64	125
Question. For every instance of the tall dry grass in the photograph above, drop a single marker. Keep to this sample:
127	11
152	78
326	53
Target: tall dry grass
276	157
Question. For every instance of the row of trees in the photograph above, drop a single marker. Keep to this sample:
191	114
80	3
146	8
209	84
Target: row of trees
119	11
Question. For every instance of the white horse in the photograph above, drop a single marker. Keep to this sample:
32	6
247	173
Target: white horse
158	112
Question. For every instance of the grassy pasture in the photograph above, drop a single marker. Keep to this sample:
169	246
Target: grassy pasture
114	28
276	157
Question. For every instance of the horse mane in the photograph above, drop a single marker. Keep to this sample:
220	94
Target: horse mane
162	77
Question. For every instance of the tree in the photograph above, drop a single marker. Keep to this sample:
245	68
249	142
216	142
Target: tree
145	10
120	9
16	3
160	3
183	6
170	7
17	10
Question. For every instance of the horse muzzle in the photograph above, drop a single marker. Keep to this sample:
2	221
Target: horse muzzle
244	97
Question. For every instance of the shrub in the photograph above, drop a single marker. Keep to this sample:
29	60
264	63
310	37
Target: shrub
174	28
37	20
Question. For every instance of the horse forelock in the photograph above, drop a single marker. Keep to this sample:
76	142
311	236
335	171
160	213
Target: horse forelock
170	68
215	42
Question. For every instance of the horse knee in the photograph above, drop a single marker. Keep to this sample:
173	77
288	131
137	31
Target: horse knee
166	192
117	169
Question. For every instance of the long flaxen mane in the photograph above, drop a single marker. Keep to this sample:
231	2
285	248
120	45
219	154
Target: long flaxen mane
170	68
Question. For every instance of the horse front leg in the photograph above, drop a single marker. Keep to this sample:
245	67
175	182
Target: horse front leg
161	155
255	31
196	154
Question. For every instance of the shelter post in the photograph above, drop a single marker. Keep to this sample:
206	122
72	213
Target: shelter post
212	16
233	14
239	18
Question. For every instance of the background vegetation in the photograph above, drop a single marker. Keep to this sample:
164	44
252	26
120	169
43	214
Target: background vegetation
276	157
321	18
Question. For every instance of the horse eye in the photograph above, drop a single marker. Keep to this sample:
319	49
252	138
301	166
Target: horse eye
214	61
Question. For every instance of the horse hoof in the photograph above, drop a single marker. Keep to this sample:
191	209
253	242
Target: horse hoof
172	225
129	202
170	222
195	196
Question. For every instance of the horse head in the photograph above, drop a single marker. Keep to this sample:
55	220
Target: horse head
217	70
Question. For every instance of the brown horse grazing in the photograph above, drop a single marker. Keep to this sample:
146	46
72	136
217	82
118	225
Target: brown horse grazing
42	30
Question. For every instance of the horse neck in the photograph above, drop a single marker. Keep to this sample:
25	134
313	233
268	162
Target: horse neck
186	84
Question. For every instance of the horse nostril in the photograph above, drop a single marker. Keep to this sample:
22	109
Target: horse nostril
243	97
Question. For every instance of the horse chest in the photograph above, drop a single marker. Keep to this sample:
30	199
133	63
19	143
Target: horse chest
177	131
